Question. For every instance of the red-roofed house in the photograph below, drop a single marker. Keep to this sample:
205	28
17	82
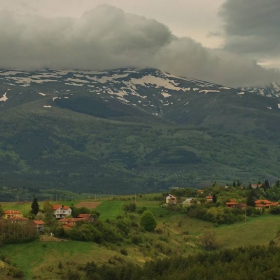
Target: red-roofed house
72	221
86	217
39	225
61	211
209	198
263	203
12	214
232	203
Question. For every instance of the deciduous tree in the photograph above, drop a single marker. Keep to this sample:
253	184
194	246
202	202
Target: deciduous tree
148	221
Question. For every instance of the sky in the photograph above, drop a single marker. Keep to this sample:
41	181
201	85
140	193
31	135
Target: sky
230	42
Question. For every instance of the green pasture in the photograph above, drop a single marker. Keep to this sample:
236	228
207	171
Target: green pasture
255	231
35	257
110	209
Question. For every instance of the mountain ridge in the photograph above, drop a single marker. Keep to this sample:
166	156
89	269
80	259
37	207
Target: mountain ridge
128	130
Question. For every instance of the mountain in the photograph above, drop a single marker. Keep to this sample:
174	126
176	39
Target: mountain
131	130
271	90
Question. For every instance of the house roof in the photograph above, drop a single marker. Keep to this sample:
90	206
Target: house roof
70	220
63	207
12	212
232	202
68	225
209	197
56	206
264	203
86	216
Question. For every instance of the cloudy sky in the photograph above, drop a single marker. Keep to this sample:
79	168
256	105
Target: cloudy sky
231	42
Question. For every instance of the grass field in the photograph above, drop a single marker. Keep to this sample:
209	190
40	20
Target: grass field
178	232
35	257
110	209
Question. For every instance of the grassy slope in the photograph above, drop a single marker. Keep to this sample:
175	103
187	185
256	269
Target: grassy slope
179	233
81	152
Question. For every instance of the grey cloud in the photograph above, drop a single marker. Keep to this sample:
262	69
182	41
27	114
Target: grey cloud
107	38
252	27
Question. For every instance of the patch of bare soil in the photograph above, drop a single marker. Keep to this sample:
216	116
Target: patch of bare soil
88	204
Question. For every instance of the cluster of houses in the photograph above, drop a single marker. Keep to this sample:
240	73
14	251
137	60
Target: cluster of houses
17	217
260	204
61	212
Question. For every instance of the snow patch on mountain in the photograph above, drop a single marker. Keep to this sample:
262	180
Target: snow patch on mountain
4	97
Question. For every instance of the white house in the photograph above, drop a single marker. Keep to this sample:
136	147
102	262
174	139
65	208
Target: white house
188	201
171	199
61	211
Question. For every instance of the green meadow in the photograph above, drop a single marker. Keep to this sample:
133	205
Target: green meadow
175	234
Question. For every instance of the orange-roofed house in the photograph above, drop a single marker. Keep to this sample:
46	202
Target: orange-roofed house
39	225
12	214
86	217
209	198
61	211
265	204
232	203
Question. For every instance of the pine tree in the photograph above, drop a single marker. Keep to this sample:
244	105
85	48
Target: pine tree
214	198
251	199
34	206
1	211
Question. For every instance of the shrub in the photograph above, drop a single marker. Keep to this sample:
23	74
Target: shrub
124	252
148	221
208	240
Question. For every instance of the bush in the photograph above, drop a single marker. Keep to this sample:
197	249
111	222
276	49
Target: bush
131	207
124	252
148	221
208	240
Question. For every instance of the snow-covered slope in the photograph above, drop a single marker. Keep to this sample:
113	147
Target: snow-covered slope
156	92
271	90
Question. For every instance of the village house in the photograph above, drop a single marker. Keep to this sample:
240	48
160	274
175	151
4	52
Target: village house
12	214
70	222
232	203
264	204
209	198
39	225
256	186
188	201
61	211
171	199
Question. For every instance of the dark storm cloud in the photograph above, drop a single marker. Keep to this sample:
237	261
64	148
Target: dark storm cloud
106	38
252	26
